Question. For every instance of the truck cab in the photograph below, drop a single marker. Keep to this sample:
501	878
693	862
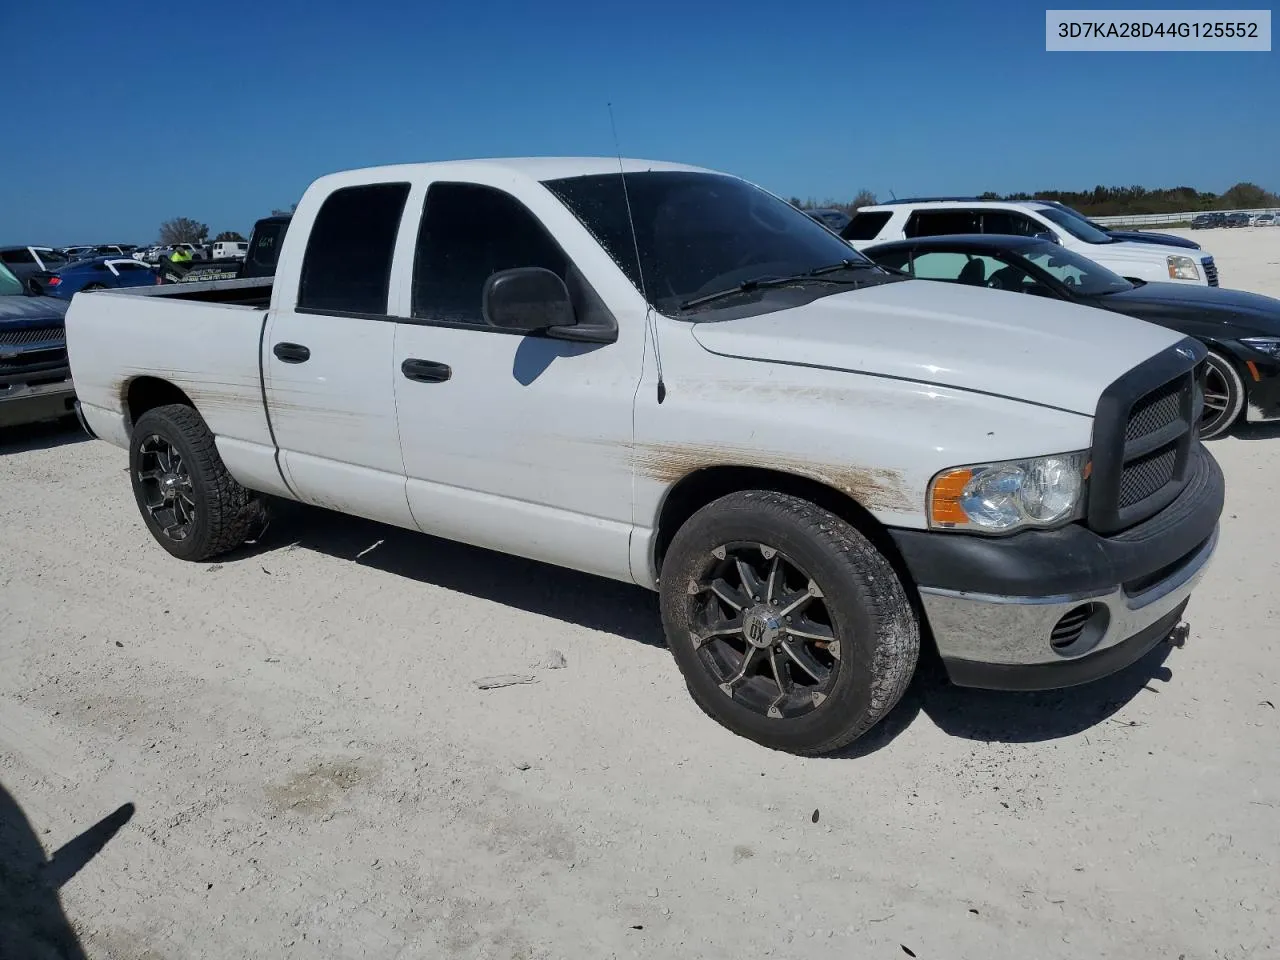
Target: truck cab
670	377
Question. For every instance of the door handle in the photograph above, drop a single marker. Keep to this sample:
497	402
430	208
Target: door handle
291	352
425	371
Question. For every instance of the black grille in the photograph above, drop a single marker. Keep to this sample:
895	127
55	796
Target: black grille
1147	475
1144	432
17	338
1154	412
34	360
1210	271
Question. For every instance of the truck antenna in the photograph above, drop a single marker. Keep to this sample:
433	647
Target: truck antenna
894	195
650	322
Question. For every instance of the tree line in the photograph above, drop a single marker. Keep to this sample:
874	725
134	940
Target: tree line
1106	201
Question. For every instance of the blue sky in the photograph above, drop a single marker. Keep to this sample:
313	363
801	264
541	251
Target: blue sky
114	123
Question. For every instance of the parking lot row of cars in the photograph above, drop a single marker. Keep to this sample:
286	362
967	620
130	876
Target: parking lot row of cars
1205	221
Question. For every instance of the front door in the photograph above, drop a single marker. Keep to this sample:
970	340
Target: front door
514	442
326	361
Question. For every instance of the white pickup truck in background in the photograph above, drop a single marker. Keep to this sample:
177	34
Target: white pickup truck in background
671	377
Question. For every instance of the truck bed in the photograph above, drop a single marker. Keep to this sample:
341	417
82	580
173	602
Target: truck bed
253	292
205	341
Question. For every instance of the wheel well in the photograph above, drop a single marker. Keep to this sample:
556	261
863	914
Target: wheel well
147	393
700	488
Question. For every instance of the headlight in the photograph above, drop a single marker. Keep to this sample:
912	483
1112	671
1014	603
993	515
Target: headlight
1268	345
1003	497
1183	268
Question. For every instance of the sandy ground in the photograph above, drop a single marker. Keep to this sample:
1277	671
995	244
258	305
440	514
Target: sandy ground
313	774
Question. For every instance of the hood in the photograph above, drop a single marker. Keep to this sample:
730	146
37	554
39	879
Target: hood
1165	239
1136	252
31	311
1027	348
1251	310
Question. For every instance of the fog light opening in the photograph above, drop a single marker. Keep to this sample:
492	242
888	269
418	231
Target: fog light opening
1079	629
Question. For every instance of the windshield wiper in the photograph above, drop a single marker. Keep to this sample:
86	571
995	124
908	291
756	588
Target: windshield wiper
816	275
847	264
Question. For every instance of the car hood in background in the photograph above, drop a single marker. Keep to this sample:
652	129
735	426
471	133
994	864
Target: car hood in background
15	310
1252	310
1165	239
1027	348
1129	251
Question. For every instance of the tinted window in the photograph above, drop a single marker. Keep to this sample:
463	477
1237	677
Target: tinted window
22	255
866	226
123	267
698	233
52	258
347	266
941	223
267	238
1009	222
469	233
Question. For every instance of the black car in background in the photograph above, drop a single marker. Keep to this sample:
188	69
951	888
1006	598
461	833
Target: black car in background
1237	220
1241	330
834	220
1204	221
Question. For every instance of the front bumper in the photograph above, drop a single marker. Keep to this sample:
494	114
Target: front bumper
1047	609
20	403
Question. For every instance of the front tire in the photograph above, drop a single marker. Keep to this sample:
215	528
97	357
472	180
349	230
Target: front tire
193	507
1224	396
790	628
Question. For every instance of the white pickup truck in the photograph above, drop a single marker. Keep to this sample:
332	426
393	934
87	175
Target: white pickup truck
668	376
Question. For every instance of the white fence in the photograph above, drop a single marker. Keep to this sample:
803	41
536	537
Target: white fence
1155	219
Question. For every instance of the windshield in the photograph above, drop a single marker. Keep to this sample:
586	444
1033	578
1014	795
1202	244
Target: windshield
1079	273
10	286
1075	225
699	233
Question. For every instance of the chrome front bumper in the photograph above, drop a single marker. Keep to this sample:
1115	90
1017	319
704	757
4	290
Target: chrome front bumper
984	638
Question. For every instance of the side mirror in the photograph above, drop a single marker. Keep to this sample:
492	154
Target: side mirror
1047	235
526	299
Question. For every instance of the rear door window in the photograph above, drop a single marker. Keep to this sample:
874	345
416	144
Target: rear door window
866	226
941	223
347	266
1010	222
21	255
260	260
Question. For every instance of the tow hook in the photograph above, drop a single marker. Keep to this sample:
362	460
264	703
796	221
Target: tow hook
1178	635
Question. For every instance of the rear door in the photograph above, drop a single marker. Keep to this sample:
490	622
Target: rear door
326	358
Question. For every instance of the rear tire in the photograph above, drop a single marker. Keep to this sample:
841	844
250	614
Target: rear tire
1224	389
193	507
823	649
93	286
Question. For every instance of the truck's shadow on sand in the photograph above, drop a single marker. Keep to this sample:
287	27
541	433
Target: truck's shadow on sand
996	716
626	611
40	436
